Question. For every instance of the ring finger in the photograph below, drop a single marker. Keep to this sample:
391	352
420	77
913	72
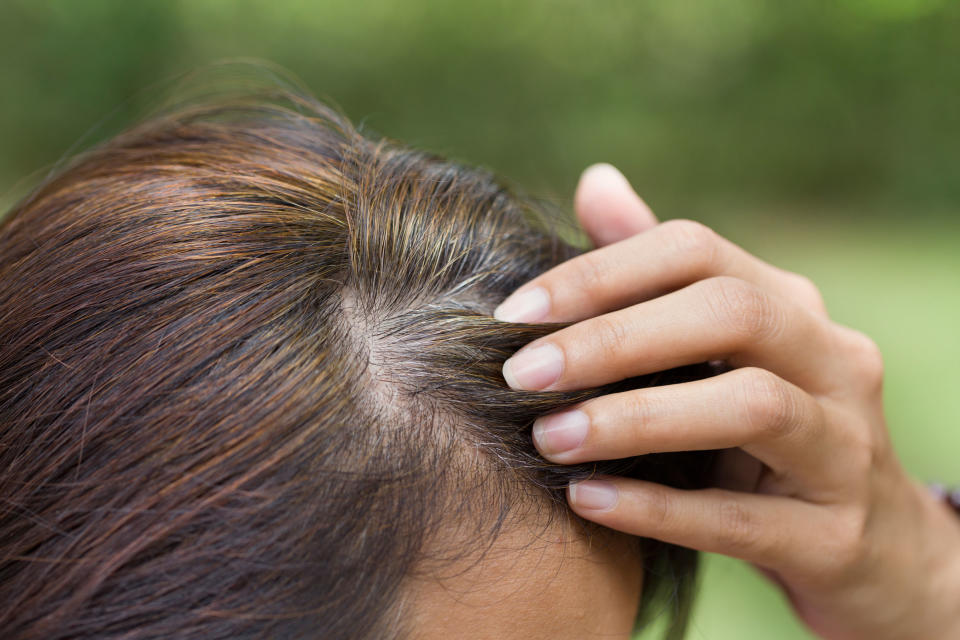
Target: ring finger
769	418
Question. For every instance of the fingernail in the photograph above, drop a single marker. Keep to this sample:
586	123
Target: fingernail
595	495
534	368
605	171
561	432
524	306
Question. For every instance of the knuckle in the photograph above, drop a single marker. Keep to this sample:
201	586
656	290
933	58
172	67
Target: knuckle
849	540
658	511
635	408
770	407
808	292
862	450
616	421
860	457
867	359
738	528
591	273
742	308
693	239
610	337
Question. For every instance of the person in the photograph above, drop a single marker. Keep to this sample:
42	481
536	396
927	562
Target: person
809	488
250	387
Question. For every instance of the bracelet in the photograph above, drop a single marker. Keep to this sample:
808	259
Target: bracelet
949	496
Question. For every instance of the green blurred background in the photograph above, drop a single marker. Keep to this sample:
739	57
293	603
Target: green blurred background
824	137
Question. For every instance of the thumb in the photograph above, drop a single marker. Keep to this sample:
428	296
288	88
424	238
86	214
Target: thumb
607	206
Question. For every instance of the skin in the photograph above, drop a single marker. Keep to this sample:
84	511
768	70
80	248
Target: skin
810	489
536	582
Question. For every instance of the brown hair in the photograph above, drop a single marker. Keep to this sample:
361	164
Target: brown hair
243	351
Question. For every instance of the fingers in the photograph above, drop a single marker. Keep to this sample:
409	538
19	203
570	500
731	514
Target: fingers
766	416
715	319
607	206
665	258
772	531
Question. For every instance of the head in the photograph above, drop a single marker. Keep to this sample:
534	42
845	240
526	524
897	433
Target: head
250	386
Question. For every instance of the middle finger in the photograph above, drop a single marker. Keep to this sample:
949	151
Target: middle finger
668	257
715	319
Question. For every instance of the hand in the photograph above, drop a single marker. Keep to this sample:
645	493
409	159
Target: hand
811	491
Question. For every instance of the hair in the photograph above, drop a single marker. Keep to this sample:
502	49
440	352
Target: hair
248	370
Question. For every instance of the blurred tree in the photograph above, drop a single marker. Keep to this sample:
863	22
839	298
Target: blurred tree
846	105
825	136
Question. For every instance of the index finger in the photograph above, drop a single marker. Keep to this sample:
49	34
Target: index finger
666	258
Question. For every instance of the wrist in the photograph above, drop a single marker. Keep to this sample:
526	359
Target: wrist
941	611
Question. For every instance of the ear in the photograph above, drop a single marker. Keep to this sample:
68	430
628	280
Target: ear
608	208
